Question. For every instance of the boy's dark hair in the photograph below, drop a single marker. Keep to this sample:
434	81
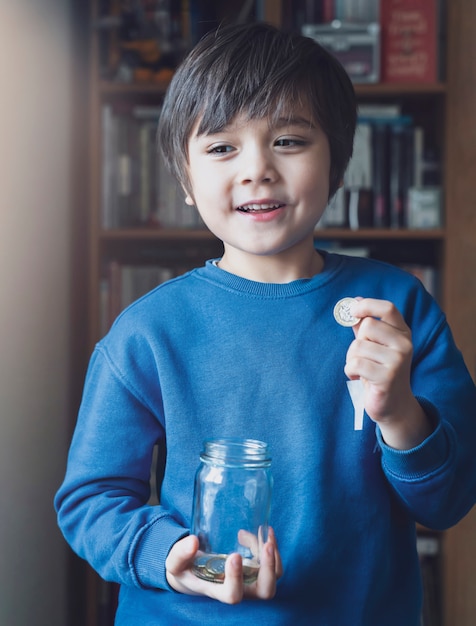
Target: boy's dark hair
259	71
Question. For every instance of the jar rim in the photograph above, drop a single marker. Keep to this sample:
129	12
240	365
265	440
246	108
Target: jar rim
230	450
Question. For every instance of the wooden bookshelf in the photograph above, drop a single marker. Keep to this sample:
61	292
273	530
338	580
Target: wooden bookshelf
459	562
448	107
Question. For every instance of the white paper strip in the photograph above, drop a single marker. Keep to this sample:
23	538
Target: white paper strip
356	391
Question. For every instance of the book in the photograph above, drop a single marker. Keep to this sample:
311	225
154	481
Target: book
356	11
388	155
379	110
429	551
385	168
358	180
410	41
380	177
335	214
426	274
137	188
401	172
328	11
124	283
108	153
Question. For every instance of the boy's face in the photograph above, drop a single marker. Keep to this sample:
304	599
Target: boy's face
261	187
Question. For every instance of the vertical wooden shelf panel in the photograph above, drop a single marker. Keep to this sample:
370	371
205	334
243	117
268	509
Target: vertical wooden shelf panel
460	284
459	564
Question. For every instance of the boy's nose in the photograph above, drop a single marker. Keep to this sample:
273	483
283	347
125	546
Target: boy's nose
258	167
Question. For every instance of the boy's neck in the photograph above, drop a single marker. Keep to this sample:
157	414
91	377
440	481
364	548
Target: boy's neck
278	269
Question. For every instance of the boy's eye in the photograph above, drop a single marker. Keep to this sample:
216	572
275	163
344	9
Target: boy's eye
220	149
289	141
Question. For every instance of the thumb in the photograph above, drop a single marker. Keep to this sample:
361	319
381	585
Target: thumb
181	555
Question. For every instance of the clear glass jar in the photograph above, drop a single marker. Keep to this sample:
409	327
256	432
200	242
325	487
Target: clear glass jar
231	506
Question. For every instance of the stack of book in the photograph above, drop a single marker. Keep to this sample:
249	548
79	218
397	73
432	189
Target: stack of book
137	189
411	37
387	167
124	283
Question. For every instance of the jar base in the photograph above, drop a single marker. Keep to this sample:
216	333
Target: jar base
211	567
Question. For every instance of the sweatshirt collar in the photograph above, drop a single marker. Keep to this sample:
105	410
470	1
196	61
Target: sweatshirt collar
211	272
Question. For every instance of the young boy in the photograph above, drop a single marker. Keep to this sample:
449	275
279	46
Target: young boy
258	126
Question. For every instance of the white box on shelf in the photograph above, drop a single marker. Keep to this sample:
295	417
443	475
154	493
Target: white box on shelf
424	207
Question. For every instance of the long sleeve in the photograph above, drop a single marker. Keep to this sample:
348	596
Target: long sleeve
437	480
102	505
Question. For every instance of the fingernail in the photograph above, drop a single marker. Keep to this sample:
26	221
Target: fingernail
235	563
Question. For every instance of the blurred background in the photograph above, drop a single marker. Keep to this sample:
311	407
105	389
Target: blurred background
38	69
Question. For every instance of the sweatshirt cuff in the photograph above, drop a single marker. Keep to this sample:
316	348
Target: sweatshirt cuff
151	549
419	462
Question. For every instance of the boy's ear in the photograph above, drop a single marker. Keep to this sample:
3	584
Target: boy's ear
188	196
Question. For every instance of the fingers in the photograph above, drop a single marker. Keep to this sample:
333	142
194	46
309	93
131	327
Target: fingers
265	587
381	356
271	569
371	359
379	309
382	339
181	577
251	541
278	562
232	590
180	557
277	555
234	586
178	565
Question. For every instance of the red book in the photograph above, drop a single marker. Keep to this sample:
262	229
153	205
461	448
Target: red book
327	11
409	41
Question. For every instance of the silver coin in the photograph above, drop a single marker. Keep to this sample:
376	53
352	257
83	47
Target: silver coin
216	565
201	561
342	312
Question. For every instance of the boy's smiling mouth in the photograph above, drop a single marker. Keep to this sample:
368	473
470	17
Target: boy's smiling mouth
264	207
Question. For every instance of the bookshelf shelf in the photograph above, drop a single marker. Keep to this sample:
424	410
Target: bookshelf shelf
374	89
184	235
157	234
401	89
381	234
108	88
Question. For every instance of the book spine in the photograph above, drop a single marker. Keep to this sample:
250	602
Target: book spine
397	176
409	41
380	172
124	172
107	158
426	274
428	548
328	12
358	179
408	169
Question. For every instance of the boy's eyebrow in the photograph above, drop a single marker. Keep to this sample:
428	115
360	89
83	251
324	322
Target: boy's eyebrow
297	120
276	123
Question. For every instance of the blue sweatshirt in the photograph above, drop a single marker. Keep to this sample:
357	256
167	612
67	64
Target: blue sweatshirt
210	354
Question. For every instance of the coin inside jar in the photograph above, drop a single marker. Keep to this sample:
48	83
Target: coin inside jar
216	565
211	568
342	313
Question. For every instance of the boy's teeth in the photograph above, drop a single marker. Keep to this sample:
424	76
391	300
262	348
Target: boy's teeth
258	207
